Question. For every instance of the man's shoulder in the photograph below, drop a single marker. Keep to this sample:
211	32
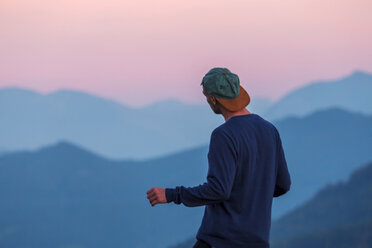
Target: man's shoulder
220	130
222	133
265	123
232	129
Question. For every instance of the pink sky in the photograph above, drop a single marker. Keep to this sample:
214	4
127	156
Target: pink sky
138	52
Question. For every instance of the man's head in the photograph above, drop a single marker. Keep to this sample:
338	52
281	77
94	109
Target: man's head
223	90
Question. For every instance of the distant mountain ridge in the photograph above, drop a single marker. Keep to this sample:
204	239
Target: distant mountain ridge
323	147
356	235
336	208
103	125
120	132
66	196
351	93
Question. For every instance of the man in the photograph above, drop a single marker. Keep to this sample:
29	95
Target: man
247	168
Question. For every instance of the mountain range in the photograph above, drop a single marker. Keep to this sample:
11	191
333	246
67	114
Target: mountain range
351	93
332	211
30	120
65	196
323	147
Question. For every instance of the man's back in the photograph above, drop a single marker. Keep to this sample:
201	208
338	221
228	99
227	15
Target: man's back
247	168
244	218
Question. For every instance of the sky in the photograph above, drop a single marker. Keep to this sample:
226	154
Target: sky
139	52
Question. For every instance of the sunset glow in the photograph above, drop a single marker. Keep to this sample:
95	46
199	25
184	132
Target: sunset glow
138	52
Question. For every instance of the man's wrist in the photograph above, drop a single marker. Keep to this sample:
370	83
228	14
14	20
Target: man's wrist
170	194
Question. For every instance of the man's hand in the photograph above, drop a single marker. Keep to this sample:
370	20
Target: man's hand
156	195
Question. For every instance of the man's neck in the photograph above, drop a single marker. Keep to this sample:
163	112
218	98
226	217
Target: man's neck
227	114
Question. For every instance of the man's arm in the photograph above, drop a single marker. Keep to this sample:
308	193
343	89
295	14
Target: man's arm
283	179
220	177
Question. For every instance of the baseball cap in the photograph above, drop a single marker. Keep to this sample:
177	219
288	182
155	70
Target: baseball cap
225	87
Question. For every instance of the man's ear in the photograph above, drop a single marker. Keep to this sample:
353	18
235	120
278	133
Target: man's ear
214	100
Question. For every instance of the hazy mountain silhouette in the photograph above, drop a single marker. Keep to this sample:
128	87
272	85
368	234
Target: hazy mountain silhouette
323	147
31	120
340	215
357	235
63	195
351	93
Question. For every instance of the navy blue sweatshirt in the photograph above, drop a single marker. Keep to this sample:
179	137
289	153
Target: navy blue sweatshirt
246	169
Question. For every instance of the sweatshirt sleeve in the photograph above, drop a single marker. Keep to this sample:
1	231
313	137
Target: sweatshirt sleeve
220	177
283	179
